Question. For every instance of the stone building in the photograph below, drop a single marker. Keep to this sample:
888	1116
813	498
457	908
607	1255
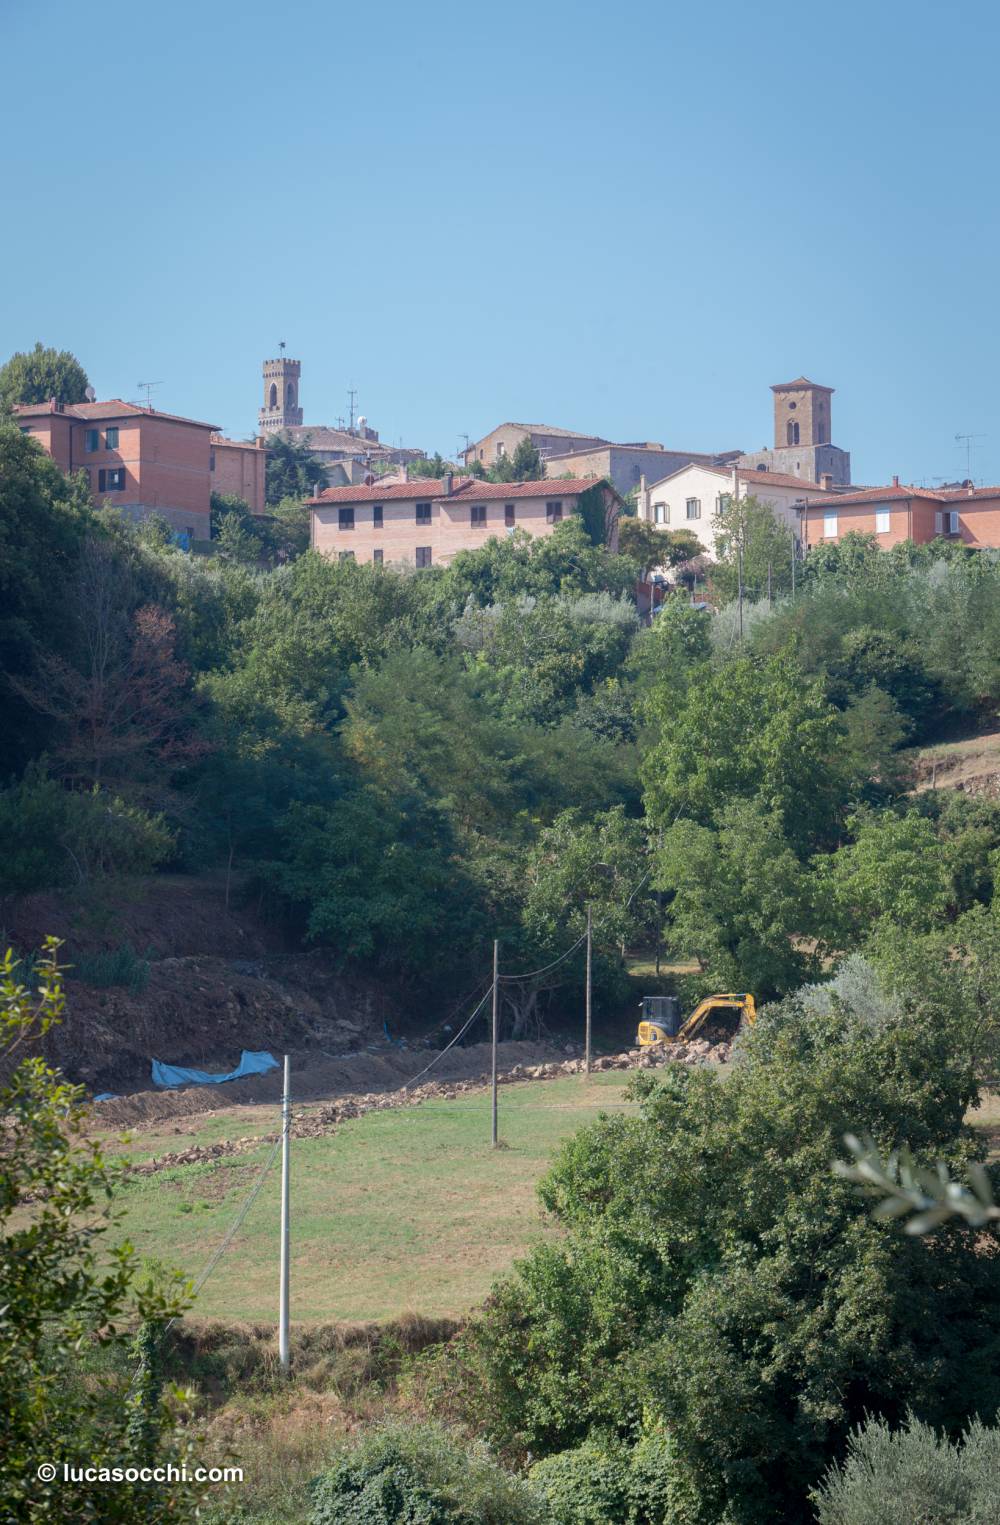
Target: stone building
803	433
282	414
624	465
546	438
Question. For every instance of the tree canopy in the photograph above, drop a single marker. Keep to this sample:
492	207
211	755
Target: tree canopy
36	375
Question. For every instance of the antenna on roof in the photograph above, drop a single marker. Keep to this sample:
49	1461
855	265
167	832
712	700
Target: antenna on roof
966	440
147	387
352	393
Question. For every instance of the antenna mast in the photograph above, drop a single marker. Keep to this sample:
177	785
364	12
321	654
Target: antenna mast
966	440
352	393
147	387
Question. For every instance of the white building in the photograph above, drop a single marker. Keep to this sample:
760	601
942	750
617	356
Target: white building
691	498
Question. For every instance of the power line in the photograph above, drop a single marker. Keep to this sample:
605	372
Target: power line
461	1033
533	974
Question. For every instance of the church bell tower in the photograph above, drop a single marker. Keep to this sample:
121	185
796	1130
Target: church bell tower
281	395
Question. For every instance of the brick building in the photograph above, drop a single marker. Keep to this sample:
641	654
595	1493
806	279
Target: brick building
136	459
967	514
239	468
803	425
426	523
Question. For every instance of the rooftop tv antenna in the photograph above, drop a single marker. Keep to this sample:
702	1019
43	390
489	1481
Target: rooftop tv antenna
352	393
966	440
147	387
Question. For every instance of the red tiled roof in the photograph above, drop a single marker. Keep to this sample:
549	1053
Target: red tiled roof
754	478
957	494
87	412
800	381
469	489
880	495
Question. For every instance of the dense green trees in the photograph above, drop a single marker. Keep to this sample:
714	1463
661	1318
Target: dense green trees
39	374
292	470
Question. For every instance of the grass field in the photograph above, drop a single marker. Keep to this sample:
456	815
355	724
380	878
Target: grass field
402	1210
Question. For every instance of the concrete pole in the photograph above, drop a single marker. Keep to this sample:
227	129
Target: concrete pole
496	1009
586	1041
286	1130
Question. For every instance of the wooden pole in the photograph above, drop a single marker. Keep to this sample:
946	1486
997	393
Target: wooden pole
496	1003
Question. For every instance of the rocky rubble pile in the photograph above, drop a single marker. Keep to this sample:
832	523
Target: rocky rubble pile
326	1119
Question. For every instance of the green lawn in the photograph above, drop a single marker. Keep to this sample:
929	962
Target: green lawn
402	1210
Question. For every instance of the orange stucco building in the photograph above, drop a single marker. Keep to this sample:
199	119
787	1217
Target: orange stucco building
136	459
425	523
895	513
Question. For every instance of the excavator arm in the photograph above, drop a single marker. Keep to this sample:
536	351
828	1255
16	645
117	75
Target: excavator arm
743	1003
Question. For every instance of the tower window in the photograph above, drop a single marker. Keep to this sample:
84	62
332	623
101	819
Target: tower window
272	396
290	395
792	432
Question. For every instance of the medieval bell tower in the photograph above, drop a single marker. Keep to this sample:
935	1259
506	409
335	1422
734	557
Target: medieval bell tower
281	395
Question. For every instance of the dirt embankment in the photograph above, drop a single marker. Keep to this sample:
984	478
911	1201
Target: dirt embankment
220	979
971	766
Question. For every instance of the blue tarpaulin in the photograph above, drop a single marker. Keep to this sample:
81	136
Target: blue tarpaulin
250	1064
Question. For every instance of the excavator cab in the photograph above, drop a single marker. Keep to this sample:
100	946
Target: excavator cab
662	1021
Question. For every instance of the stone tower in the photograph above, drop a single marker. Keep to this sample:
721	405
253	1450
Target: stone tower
803	439
801	414
281	395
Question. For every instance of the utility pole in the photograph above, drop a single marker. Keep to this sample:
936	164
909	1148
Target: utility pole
739	546
496	1004
795	557
286	1139
586	1041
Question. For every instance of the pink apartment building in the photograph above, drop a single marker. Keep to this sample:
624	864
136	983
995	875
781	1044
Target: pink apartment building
137	459
895	513
425	523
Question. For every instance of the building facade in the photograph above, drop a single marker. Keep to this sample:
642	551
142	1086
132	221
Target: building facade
239	468
803	436
693	497
546	438
426	523
896	513
136	459
623	465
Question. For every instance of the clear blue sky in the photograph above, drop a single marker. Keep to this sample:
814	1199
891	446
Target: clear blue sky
627	218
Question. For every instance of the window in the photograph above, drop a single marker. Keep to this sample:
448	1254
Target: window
423	555
661	513
881	521
692	508
501	449
953	523
93	440
792	432
377	516
111	442
378	556
829	526
636	472
346	556
938	522
272	396
345	518
423	513
723	501
509	515
553	513
111	481
477	514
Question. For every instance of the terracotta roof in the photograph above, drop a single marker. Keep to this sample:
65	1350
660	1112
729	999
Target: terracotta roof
468	489
957	494
751	477
881	495
800	381
89	412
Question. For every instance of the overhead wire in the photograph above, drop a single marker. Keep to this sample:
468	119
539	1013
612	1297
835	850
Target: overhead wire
533	974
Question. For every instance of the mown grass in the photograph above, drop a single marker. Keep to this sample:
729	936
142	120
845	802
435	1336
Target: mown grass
398	1211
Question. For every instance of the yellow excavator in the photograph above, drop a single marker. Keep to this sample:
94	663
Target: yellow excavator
662	1023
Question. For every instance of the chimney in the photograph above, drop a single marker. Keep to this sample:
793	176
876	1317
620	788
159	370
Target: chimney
826	480
448	480
895	481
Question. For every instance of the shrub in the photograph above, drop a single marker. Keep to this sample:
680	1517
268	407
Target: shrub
421	1475
586	1486
54	837
913	1475
118	966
